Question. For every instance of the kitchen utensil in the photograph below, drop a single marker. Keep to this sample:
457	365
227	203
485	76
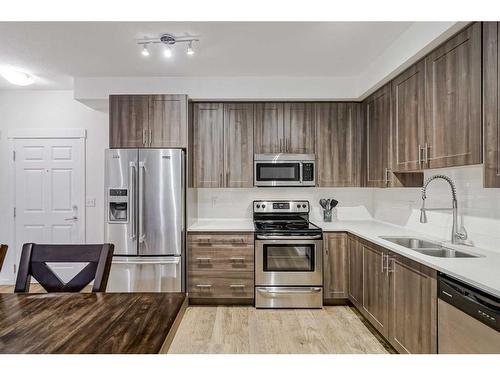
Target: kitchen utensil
322	203
333	203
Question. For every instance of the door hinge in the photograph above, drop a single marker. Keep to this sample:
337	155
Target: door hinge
14	155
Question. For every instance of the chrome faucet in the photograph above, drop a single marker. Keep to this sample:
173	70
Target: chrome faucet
456	235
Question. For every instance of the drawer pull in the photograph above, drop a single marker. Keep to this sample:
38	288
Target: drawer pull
201	260
204	285
237	259
237	285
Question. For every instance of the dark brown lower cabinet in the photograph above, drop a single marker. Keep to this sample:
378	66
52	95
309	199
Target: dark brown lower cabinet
396	295
355	260
412	306
220	267
335	269
375	288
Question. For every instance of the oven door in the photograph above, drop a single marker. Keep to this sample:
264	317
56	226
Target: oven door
286	262
277	173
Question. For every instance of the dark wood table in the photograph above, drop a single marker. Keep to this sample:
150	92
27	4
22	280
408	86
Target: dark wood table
89	322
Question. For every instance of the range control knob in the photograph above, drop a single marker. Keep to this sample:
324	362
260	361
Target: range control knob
263	206
258	206
298	206
303	206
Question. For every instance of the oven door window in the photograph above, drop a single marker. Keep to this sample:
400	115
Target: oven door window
278	171
288	258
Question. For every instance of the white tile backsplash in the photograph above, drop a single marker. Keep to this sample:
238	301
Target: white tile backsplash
354	204
479	208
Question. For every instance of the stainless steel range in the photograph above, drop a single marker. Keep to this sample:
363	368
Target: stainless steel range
288	256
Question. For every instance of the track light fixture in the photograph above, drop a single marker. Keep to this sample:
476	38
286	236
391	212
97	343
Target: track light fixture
190	50
169	41
145	51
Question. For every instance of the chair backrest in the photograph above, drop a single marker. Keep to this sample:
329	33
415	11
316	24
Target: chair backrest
3	253
34	259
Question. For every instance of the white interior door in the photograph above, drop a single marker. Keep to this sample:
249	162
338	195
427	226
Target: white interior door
50	194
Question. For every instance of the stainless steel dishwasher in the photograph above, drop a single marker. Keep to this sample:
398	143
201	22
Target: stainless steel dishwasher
468	319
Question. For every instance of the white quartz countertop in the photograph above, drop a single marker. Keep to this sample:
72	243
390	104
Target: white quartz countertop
482	272
222	225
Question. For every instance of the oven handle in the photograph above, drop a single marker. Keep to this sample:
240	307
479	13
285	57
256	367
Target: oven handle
269	237
290	291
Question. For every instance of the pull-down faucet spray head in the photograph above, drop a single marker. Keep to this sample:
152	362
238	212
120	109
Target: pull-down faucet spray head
423	214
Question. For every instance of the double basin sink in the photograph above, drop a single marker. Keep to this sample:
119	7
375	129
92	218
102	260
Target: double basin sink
430	248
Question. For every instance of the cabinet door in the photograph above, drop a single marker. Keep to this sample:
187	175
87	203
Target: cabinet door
268	133
491	117
168	121
355	272
378	137
335	265
338	144
408	96
299	128
453	101
207	160
238	145
128	118
375	288
412	306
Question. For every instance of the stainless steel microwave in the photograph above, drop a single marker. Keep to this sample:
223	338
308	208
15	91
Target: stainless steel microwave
284	170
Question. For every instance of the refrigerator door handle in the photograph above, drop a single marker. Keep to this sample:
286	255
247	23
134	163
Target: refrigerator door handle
132	183
142	168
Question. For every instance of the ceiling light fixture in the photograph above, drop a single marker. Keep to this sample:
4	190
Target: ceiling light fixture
169	41
145	51
190	50
16	77
167	52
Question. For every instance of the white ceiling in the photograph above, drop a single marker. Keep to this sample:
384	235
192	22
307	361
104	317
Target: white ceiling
57	52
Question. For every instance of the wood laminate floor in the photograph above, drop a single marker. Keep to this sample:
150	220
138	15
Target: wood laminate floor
244	329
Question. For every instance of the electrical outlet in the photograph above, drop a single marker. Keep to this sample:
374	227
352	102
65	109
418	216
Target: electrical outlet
90	202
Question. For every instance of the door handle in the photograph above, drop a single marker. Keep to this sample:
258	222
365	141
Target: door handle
131	184
142	236
144	137
71	218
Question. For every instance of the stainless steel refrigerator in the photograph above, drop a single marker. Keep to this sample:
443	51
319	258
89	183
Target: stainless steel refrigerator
145	219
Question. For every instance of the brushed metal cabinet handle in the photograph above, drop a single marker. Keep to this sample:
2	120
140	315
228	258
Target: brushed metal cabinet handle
426	154
420	155
150	136
204	259
204	285
144	137
237	285
237	259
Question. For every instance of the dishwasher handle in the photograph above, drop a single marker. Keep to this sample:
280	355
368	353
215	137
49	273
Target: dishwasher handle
473	302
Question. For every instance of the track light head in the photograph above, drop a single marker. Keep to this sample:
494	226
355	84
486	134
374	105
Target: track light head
167	52
190	50
145	51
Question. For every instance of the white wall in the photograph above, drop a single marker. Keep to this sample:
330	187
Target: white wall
479	208
52	109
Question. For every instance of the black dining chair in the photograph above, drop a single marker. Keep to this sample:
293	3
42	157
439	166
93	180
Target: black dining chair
34	259
3	253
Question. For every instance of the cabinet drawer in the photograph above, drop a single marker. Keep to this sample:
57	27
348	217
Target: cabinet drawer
221	239
236	258
221	285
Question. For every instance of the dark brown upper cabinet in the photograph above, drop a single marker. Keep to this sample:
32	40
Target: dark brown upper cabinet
284	127
408	95
128	118
238	145
147	121
268	133
377	109
299	128
453	101
339	137
491	105
222	145
207	145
